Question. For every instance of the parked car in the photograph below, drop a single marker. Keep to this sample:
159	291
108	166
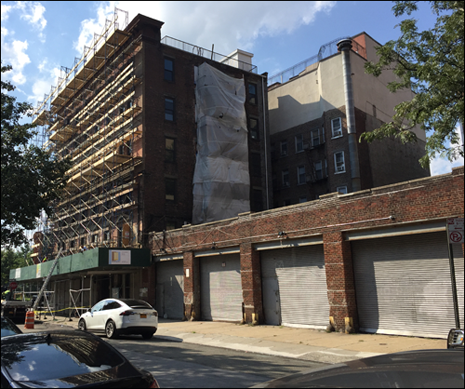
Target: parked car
9	328
65	359
121	316
410	369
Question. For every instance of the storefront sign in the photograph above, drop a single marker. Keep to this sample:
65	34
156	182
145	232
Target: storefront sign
120	257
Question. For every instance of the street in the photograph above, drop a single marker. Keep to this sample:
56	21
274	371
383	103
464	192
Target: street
184	365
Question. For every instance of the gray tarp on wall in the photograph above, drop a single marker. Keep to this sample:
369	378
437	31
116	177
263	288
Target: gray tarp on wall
221	177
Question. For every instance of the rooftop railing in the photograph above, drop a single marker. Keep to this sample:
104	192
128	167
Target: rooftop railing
327	50
209	54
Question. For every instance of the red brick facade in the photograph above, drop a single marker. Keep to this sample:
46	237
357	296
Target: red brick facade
332	216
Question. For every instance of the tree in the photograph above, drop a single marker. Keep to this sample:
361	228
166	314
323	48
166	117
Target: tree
431	63
13	259
31	177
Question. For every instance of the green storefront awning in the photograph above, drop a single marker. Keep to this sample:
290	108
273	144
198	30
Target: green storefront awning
89	259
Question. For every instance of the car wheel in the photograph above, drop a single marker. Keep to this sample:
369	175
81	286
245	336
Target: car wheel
147	335
82	325
110	330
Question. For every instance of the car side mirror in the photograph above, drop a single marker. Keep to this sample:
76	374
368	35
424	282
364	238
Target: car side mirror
455	338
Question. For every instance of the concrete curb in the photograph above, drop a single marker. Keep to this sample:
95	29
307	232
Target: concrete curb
266	347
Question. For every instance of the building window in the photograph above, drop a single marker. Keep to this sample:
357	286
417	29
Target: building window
169	109
169	69
342	189
257	200
255	165
170	189
284	148
253	128
303	199
318	137
252	93
170	225
169	150
336	127
285	178
301	175
318	170
339	164
299	143
326	168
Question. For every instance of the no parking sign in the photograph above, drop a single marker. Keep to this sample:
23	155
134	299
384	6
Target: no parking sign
455	230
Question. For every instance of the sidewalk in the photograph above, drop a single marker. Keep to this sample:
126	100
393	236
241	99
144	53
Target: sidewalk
308	344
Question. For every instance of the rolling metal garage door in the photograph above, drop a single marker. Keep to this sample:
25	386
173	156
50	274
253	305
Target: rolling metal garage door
299	275
170	289
403	284
221	287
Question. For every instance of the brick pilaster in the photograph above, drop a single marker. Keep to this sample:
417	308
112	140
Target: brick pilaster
340	281
191	286
251	284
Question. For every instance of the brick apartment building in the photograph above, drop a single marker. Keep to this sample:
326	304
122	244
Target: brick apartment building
136	114
318	110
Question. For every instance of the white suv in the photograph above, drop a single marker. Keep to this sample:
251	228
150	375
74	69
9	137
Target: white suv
120	316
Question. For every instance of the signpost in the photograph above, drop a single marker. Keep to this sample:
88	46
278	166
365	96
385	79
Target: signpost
455	230
455	235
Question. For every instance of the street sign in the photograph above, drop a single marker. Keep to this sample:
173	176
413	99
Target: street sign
455	230
13	285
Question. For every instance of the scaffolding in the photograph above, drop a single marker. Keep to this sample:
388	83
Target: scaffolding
93	117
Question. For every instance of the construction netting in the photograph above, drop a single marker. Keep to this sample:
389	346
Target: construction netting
221	177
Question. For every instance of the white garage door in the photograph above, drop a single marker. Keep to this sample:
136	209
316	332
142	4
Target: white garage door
403	284
221	287
301	282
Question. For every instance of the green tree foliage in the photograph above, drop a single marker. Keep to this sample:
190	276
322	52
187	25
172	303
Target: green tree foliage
31	177
13	259
431	63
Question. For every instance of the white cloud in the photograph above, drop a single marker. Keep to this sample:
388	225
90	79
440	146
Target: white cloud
5	9
15	55
42	86
89	27
226	24
33	13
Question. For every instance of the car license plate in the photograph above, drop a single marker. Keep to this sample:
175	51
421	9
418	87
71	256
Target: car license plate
143	316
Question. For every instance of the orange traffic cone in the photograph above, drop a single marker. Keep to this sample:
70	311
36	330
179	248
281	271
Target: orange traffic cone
29	324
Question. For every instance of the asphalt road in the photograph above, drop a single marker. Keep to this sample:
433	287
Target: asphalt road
183	365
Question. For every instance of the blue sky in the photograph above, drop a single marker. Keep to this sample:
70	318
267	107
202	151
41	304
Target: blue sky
37	38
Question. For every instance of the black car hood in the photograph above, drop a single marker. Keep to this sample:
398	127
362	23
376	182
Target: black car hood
103	379
65	359
413	369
